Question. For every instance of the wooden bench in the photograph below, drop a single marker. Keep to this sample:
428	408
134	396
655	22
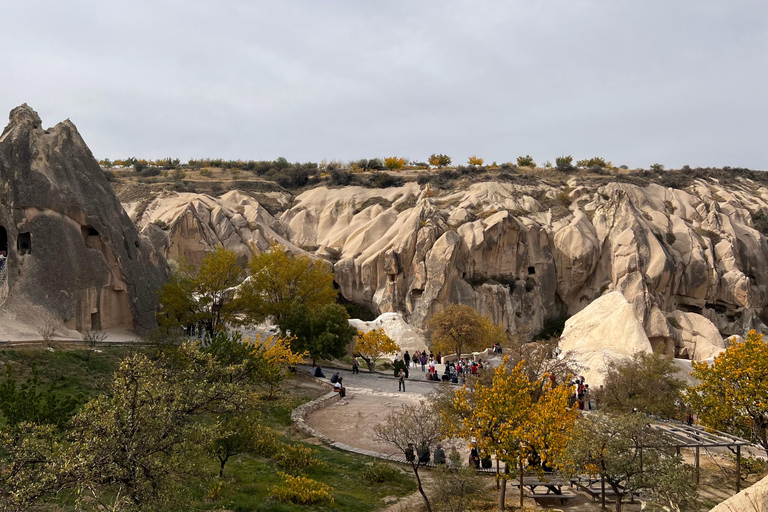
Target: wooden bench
550	496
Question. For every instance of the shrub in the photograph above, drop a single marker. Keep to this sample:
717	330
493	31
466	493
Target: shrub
526	161
475	160
439	160
506	166
564	163
301	490
161	224
295	459
392	163
340	178
383	180
595	161
671	238
657	167
380	472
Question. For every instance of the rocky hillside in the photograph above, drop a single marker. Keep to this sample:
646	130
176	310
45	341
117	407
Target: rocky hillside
525	249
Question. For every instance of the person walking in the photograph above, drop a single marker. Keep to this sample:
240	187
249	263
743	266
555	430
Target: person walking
423	361
355	366
407	359
415	358
401	380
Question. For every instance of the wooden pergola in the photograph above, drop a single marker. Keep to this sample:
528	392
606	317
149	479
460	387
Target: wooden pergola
685	436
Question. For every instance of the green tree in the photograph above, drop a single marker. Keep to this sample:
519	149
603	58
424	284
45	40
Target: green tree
526	161
595	161
138	439
631	456
323	333
240	433
459	328
646	382
280	283
202	296
733	391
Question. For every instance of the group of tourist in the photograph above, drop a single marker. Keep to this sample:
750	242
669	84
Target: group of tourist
580	395
421	358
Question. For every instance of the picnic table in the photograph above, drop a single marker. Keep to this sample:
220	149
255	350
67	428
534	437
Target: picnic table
552	488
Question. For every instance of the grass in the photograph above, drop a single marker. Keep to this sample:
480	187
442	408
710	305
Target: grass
247	478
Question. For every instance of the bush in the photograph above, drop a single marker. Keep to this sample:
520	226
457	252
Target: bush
657	167
475	160
110	175
392	163
161	224
595	161
301	491
380	472
295	459
526	161
564	163
341	178
383	180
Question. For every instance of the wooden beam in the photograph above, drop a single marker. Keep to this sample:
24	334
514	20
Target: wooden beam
738	468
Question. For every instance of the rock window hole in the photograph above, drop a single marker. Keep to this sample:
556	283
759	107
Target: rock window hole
3	241
24	243
531	271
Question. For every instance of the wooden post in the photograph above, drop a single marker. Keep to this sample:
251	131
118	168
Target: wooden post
602	490
641	459
497	474
522	496
738	469
697	465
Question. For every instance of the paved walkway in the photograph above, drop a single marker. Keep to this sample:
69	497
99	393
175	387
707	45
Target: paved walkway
382	382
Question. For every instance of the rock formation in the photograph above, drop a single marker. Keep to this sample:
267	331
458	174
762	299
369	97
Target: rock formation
74	256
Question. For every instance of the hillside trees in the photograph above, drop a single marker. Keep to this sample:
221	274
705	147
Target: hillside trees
322	333
564	163
374	344
526	161
733	392
394	163
439	160
475	160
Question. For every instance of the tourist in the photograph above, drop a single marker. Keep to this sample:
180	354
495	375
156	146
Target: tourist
340	389
439	455
319	373
438	357
474	457
401	379
486	462
407	359
423	454
355	366
415	358
335	378
410	455
423	360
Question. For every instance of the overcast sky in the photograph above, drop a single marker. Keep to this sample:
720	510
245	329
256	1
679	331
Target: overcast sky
637	82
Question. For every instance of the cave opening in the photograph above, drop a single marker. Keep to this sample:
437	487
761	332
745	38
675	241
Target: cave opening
24	243
3	241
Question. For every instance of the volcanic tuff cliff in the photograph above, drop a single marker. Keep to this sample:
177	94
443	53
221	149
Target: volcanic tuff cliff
74	256
689	262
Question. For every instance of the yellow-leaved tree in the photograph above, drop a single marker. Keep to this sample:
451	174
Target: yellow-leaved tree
459	328
394	163
275	359
511	419
733	392
475	160
372	345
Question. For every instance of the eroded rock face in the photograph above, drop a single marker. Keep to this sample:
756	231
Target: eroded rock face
688	262
74	256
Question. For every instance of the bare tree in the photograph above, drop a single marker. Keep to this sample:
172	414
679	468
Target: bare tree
47	331
413	430
91	338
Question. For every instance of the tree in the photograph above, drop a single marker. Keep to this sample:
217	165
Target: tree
459	328
410	429
323	333
526	161
595	161
512	420
439	160
240	433
47	331
374	344
274	360
280	282
646	383
394	163
202	297
91	338
137	439
456	488
475	160
540	359
631	456
564	163
733	391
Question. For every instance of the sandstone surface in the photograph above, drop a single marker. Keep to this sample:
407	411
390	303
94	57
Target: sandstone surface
74	256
